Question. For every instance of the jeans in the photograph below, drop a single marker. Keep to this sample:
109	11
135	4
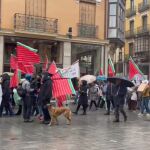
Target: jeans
91	104
109	101
27	107
46	114
119	108
145	105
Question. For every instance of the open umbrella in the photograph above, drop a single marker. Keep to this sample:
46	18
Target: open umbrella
101	78
125	82
88	78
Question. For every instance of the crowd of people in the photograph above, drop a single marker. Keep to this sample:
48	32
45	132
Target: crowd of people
114	97
32	96
34	93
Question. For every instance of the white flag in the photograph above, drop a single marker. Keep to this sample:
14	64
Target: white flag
72	71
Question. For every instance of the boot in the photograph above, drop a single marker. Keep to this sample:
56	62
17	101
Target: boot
116	120
107	113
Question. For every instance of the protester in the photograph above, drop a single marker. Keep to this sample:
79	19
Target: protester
145	101
133	100
109	97
93	95
119	100
27	101
6	102
33	94
18	101
101	101
83	98
45	96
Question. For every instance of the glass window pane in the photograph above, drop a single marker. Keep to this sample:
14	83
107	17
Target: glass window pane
112	33
112	21
113	9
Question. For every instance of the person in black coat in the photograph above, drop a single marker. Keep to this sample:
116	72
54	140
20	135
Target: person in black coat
45	96
6	101
83	98
120	92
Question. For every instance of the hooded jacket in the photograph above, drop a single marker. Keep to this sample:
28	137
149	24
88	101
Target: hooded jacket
45	93
6	86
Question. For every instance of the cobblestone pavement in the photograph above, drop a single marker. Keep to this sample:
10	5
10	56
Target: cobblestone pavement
92	132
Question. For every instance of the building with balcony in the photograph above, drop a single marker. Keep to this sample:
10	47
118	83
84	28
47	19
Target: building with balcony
66	30
115	32
138	35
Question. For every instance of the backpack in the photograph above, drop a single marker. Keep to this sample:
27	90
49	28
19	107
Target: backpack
21	92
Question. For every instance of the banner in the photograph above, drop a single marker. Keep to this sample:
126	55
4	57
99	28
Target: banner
71	72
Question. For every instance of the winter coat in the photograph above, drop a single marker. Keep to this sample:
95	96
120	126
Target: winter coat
6	88
146	92
83	98
109	91
120	92
93	93
45	93
1	93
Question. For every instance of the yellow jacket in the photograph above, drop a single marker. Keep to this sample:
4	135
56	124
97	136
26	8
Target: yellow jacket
146	92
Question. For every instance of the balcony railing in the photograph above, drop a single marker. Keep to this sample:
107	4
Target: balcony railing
87	31
130	34
130	12
23	22
143	30
144	6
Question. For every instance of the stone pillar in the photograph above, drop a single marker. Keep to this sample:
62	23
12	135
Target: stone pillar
1	53
66	54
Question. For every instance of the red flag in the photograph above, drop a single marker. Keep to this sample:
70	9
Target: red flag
26	68
24	54
52	68
45	65
111	69
133	69
14	80
13	62
58	86
101	72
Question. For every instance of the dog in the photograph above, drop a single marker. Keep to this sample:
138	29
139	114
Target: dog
55	112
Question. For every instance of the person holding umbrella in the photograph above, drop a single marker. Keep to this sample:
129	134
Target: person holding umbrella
120	91
119	100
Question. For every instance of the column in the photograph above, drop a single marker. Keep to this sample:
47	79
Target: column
1	53
97	60
66	54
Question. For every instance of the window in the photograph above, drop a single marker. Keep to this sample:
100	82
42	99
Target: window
87	13
132	4
144	2
131	49
112	15
144	22
132	25
35	8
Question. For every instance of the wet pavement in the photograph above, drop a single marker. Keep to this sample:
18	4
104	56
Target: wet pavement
92	132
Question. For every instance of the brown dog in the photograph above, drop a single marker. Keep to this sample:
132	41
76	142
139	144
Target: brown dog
55	112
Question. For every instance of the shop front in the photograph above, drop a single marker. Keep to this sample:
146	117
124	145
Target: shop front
90	57
50	48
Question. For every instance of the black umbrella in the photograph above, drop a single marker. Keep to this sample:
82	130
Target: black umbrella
125	82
